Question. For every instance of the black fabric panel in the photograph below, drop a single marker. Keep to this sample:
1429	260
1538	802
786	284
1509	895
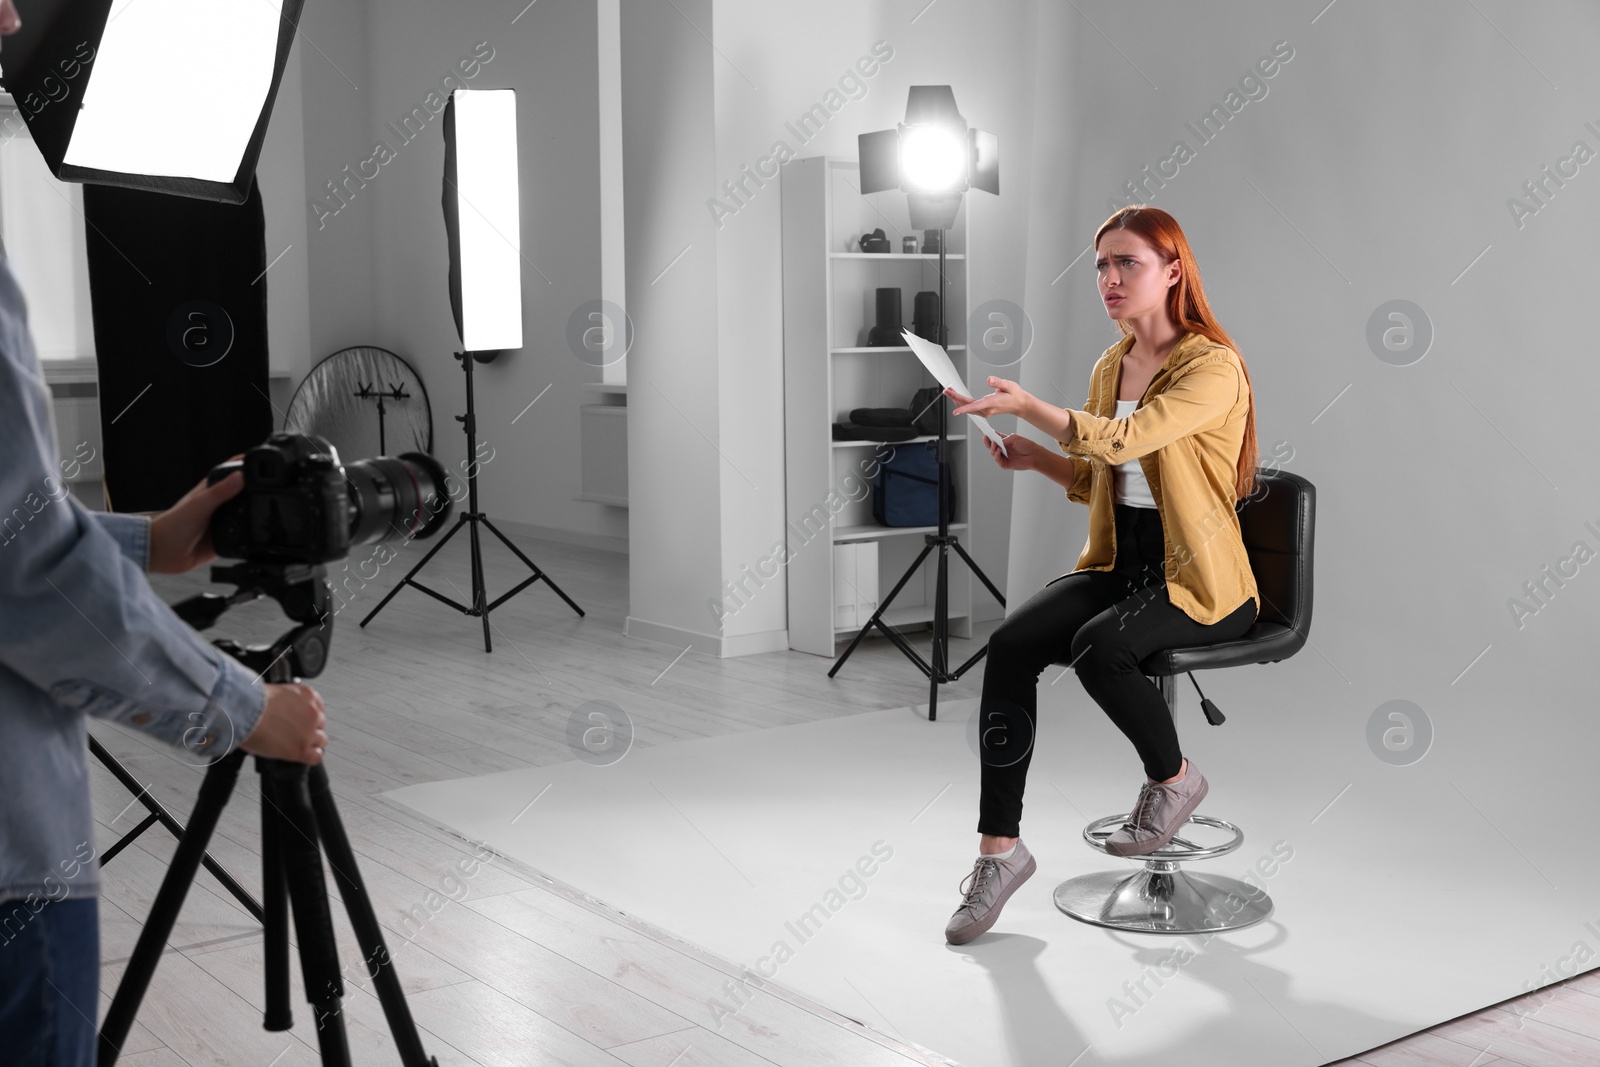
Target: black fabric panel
452	219
170	277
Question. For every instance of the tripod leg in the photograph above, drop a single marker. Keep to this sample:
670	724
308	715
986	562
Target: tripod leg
275	906
369	935
941	632
401	584
159	813
313	920
480	596
926	548
539	573
214	793
982	577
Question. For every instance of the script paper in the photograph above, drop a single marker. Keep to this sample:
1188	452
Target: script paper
937	360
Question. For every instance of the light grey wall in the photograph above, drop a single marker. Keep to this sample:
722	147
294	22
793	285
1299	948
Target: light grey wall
332	47
529	471
675	449
280	173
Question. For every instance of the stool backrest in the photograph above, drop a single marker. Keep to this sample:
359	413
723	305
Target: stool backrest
1277	521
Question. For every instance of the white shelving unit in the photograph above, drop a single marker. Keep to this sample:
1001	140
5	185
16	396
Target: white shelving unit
829	305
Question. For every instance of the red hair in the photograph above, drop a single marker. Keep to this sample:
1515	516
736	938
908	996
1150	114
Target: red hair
1186	304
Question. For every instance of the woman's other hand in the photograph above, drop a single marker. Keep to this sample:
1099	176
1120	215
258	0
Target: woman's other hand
1008	398
1022	454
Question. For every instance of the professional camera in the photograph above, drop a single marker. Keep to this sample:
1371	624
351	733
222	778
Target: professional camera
299	504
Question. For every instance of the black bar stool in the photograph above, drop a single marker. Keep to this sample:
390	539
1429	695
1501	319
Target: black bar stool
1276	522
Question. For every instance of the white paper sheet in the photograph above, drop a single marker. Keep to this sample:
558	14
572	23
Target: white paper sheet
937	360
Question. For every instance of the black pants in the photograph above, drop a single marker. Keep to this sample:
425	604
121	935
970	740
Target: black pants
1105	623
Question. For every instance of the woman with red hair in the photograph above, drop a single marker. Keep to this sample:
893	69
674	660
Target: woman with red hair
1164	565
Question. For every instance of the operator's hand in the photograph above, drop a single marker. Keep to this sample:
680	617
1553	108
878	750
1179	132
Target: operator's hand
1008	398
292	725
180	537
1023	454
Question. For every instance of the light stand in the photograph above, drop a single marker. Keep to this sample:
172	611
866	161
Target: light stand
934	138
471	517
482	223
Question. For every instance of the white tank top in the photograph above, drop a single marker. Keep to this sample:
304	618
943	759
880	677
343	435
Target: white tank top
1127	478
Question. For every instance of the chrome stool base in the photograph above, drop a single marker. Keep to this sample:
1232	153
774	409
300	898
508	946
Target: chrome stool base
1162	898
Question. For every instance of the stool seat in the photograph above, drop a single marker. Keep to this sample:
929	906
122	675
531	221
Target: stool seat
1275	522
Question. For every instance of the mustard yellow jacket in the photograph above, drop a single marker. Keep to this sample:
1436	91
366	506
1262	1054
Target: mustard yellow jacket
1186	433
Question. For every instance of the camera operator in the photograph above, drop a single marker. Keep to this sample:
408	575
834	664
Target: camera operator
82	633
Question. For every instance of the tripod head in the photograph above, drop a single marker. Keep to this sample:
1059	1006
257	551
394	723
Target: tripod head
301	589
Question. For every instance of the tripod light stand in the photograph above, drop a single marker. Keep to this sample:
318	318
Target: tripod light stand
934	157
482	223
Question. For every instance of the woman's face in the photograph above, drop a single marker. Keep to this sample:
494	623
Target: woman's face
10	22
1133	277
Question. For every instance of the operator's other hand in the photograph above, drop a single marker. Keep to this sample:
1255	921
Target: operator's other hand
1022	453
1008	398
292	725
180	537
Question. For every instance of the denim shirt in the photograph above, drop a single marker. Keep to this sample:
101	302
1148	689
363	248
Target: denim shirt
81	633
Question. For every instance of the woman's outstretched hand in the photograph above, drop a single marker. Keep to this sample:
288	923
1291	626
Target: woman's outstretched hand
1008	398
1021	453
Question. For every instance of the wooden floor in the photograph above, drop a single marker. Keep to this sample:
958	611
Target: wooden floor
501	965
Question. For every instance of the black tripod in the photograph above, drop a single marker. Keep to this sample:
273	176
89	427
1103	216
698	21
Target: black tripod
297	815
471	517
945	540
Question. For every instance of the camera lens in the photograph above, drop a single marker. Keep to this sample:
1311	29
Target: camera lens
402	494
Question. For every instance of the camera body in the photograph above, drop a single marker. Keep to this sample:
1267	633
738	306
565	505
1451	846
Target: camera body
299	504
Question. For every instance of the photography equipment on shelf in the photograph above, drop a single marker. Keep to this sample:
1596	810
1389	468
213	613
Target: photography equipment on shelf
876	241
851	431
893	424
906	491
886	334
299	823
934	157
925	321
485	276
908	244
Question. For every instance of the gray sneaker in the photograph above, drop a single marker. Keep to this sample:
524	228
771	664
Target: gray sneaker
993	881
1157	814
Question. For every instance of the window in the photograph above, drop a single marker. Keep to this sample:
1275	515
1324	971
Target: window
42	224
